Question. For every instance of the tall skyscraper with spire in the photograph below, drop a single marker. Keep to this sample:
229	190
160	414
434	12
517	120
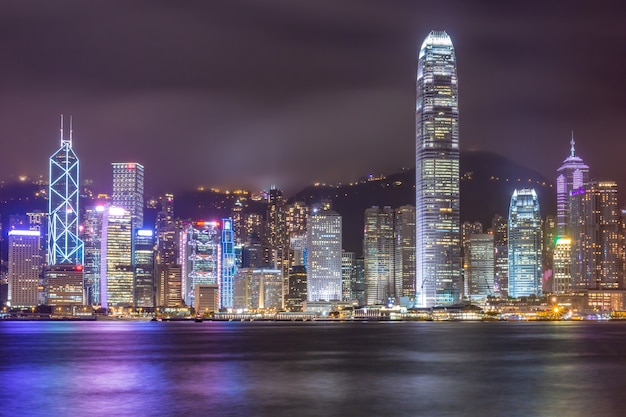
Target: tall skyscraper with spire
437	261
571	176
64	245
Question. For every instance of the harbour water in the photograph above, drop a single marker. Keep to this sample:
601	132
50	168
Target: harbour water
128	368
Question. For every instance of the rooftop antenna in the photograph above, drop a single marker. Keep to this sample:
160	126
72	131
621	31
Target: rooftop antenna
61	129
572	143
71	130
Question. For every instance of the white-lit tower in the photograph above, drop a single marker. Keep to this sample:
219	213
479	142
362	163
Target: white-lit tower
437	195
128	180
64	244
323	260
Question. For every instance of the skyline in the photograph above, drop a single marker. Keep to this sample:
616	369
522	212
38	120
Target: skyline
326	89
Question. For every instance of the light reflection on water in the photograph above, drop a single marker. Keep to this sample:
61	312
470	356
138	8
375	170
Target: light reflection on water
312	369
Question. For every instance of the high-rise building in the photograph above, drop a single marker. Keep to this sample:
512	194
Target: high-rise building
200	256
378	252
499	227
480	273
92	236
561	273
348	272
596	237
524	238
571	176
296	296
64	245
65	285
169	285
24	268
128	190
259	288
229	267
143	260
405	252
117	272
324	256
437	261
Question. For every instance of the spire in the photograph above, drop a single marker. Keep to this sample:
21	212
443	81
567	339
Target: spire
572	143
71	130
61	129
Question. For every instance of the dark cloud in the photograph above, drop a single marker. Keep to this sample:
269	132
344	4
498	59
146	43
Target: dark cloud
254	93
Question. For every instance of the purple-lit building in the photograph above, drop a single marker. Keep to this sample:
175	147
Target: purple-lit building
572	175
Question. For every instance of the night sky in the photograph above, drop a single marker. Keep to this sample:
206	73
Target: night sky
262	92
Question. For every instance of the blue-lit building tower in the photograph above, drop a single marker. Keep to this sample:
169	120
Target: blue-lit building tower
437	192
228	263
524	244
64	244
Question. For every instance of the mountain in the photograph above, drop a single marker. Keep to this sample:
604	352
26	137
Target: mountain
487	183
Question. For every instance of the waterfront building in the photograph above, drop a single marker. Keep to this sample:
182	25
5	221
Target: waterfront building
143	260
296	296
438	258
524	244
169	285
200	256
258	289
229	266
499	227
324	256
405	252
117	272
24	268
64	245
572	175
128	182
481	273
467	229
348	272
596	236
378	252
549	233
206	298
64	285
561	273
91	236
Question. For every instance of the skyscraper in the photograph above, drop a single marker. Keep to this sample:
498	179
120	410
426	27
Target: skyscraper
24	267
116	268
438	265
324	256
524	244
405	252
378	251
572	175
143	261
480	273
128	190
64	245
228	264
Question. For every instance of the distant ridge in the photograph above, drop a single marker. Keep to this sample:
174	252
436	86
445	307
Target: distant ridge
487	183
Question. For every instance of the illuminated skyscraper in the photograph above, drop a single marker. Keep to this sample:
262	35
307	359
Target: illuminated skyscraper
524	236
405	252
480	272
572	175
128	190
116	267
143	260
24	267
499	226
64	245
378	251
324	256
200	257
595	237
437	263
228	264
91	236
562	275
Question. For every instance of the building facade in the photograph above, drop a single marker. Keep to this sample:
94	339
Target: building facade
437	262
378	252
323	260
128	190
24	267
524	244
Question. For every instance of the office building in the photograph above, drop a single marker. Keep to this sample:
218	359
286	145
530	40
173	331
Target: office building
324	256
128	190
438	257
499	228
64	245
200	256
229	267
117	273
91	236
480	272
378	252
24	268
64	285
143	260
524	244
405	252
561	273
